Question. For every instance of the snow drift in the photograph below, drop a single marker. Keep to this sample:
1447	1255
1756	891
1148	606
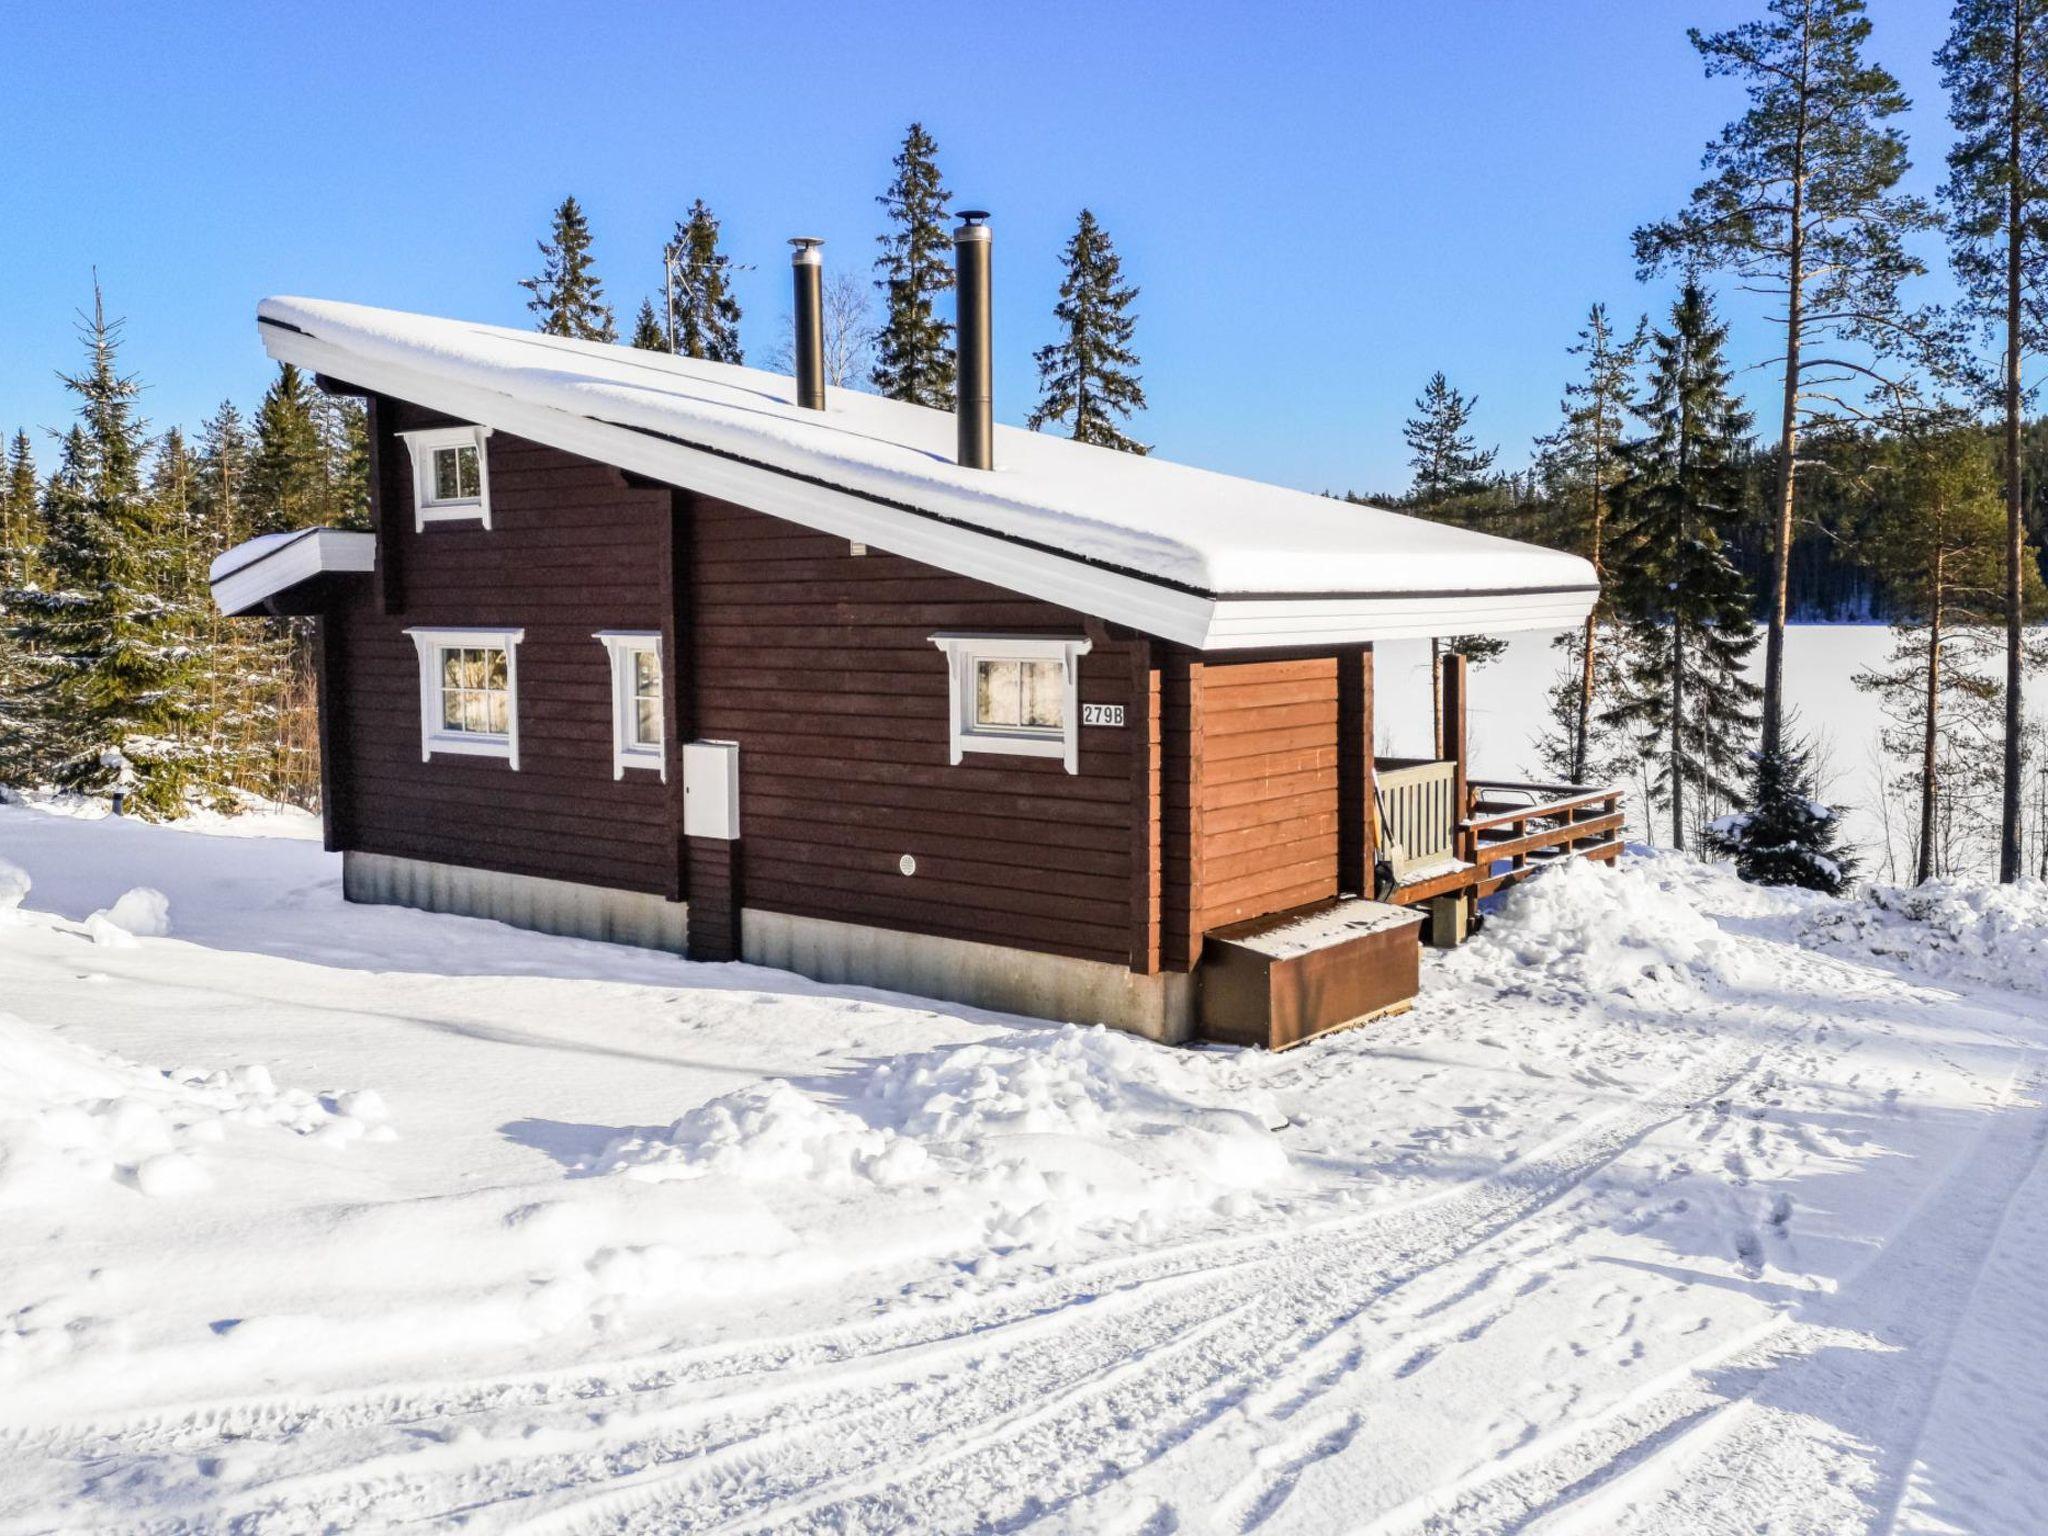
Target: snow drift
69	1113
1993	935
1041	1133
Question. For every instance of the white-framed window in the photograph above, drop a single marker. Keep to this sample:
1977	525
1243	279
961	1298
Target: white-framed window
469	692
451	475
1016	694
636	700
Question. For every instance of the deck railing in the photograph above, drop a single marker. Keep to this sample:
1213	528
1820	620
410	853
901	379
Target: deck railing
1525	826
1418	819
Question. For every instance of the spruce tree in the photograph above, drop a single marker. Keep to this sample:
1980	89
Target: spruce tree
288	473
913	350
1684	605
113	668
1995	67
707	316
1451	485
20	545
1581	465
1087	379
1787	836
1802	203
567	294
1936	532
647	333
20	523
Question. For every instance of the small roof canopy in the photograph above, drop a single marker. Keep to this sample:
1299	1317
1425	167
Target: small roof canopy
287	572
1206	559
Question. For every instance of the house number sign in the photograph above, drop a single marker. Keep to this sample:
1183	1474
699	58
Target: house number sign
1102	714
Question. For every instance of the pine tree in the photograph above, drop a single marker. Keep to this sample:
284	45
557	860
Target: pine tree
706	317
343	429
1087	377
1787	836
113	671
288	478
1936	534
1450	486
1802	203
1448	463
647	332
1581	465
914	350
567	294
248	660
1684	605
1995	67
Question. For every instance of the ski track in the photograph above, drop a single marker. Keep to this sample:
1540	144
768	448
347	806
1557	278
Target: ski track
1007	1407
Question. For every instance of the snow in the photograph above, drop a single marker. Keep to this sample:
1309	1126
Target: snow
249	551
1213	532
1674	1205
1331	925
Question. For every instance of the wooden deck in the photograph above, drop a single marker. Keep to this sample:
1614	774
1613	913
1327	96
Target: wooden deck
1510	831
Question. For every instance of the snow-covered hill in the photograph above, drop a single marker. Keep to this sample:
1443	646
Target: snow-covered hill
1675	1206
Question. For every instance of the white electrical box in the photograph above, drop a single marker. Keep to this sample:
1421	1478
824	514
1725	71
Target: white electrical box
711	789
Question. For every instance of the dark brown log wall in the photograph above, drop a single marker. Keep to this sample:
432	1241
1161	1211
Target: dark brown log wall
819	662
572	549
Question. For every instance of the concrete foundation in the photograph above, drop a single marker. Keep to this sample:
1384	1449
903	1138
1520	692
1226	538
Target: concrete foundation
524	901
1159	1007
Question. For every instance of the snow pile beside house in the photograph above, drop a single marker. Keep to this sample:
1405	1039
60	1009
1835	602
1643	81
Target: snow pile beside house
1995	935
1637	930
69	1114
1042	1132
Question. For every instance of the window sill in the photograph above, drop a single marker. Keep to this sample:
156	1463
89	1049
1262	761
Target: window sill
1009	746
466	745
644	759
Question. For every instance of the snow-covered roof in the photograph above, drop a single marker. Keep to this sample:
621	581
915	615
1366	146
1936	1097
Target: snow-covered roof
258	569
1204	558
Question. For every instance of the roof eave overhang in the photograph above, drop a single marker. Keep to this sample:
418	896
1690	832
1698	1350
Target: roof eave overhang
1205	621
294	576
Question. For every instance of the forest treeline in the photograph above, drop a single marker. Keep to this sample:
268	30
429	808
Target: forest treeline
1890	472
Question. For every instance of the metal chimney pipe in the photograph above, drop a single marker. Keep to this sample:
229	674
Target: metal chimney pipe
974	400
808	264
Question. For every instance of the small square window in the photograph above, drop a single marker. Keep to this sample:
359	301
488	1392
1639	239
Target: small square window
1014	694
1020	695
455	475
451	475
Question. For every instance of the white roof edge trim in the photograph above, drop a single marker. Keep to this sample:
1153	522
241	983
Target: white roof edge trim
1146	605
271	564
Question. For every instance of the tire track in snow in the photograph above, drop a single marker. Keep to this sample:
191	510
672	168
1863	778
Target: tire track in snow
1070	1418
1008	1391
1687	1454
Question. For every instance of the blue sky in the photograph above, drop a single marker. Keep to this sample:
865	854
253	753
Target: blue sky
1321	203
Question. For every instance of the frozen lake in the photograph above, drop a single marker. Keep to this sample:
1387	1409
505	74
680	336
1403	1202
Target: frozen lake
1509	701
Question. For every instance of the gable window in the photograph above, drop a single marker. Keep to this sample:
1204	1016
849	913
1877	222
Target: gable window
636	700
451	477
1014	694
469	692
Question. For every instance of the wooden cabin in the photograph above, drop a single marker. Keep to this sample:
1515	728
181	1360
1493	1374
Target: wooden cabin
699	657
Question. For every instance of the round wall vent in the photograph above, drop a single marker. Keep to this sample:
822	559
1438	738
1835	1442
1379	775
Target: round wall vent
907	864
